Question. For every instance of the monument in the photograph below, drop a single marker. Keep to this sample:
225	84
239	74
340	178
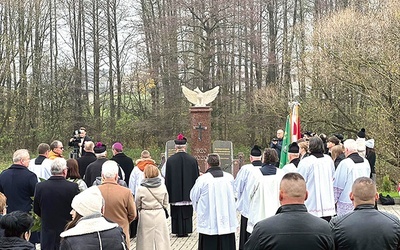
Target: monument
225	151
200	118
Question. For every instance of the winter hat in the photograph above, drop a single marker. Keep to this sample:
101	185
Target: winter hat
294	148
118	146
361	133
255	151
100	148
88	202
180	140
370	143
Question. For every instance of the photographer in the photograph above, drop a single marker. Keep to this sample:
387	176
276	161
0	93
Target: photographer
78	141
277	142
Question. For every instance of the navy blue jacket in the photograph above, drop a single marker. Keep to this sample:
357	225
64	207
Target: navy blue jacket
17	183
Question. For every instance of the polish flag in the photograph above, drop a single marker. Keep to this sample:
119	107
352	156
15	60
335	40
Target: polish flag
295	123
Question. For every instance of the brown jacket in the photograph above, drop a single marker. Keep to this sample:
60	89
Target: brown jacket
119	205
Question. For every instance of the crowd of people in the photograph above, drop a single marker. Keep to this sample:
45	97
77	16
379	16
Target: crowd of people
324	198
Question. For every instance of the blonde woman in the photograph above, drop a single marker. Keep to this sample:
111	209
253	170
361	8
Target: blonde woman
303	149
151	199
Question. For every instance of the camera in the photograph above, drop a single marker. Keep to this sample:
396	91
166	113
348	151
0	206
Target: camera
77	134
74	142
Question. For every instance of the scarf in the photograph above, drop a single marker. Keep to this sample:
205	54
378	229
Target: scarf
151	182
141	163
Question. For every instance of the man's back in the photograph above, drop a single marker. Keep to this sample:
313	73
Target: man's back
53	204
41	167
84	161
292	228
318	173
18	185
366	228
93	170
126	163
181	173
214	201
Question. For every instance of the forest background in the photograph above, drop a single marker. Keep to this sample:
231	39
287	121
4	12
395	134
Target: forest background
117	67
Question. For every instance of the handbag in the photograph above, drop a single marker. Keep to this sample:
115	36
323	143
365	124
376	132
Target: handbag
165	210
386	200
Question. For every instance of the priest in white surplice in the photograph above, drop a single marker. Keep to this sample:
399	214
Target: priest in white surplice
41	165
213	199
242	190
348	171
293	154
317	170
264	195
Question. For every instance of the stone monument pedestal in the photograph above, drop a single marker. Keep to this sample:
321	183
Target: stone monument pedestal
200	143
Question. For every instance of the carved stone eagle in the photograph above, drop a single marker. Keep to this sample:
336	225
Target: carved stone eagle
198	98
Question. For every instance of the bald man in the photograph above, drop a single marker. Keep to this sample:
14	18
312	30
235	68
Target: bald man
365	228
277	142
292	227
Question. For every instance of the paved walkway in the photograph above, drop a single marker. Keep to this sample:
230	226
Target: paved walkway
189	243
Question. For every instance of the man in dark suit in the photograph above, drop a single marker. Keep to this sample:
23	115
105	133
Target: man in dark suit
52	203
87	158
181	173
17	183
125	162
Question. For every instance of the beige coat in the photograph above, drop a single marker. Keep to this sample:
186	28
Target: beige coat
119	206
152	230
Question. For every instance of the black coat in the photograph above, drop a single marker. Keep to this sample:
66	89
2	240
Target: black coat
17	183
371	157
93	171
126	163
366	228
110	239
84	161
52	203
291	228
181	173
15	243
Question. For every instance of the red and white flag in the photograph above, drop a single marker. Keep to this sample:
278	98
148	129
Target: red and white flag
295	123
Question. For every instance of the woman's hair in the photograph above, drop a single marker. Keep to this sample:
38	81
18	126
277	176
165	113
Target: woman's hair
73	169
150	171
16	223
3	201
303	145
270	156
336	151
73	222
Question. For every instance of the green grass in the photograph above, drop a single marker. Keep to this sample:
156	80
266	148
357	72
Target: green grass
392	194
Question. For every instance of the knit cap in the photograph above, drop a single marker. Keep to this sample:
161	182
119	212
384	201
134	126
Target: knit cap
88	202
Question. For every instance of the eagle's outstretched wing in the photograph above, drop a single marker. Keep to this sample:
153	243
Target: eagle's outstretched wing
210	95
190	95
